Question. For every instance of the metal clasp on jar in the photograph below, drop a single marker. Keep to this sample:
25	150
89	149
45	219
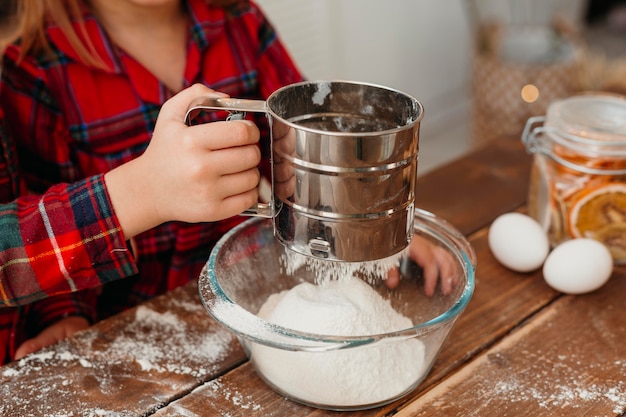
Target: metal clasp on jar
534	135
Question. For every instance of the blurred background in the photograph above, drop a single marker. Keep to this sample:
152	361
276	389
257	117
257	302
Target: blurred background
480	67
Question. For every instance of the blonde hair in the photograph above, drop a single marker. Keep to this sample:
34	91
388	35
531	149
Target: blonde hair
34	15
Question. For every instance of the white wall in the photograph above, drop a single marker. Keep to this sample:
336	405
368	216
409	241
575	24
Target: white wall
421	47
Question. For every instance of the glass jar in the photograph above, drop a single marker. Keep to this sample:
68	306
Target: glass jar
578	177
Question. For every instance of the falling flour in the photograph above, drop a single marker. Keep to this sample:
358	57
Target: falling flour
346	377
325	271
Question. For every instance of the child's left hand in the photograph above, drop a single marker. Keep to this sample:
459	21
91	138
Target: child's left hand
436	263
52	334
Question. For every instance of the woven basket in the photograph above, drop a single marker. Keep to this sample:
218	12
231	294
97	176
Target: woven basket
498	107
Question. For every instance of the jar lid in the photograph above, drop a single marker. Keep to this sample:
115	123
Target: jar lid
595	117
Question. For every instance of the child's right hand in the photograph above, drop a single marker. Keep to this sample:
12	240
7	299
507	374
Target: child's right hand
199	173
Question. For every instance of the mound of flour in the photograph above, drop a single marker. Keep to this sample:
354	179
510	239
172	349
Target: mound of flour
342	378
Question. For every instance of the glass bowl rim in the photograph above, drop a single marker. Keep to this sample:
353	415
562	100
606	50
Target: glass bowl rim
240	321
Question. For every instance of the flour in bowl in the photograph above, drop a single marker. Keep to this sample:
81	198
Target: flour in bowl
345	377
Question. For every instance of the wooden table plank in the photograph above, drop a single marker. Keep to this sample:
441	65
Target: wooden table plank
238	393
568	360
128	365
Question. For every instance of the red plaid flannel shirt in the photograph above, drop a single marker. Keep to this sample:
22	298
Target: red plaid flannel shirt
72	122
44	240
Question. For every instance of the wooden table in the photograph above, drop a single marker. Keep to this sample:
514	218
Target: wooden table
519	349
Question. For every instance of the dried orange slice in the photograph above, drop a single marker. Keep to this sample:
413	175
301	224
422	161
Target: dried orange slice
581	160
614	237
600	213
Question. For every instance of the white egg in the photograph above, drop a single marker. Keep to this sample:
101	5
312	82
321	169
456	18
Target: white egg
518	242
578	266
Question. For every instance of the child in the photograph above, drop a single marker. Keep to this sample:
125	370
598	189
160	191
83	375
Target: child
83	86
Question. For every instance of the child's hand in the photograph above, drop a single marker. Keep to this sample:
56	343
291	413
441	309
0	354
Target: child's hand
200	173
54	333
436	263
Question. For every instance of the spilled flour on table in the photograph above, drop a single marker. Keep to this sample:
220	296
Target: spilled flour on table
169	333
217	389
567	386
222	393
152	348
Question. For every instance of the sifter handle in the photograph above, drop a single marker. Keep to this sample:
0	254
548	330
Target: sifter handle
232	105
235	106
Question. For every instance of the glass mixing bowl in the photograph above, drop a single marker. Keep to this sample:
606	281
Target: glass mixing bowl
331	371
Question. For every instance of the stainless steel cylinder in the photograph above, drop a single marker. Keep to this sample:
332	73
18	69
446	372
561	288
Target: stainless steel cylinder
344	166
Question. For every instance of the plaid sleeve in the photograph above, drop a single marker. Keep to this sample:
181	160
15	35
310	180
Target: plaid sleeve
66	237
65	240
